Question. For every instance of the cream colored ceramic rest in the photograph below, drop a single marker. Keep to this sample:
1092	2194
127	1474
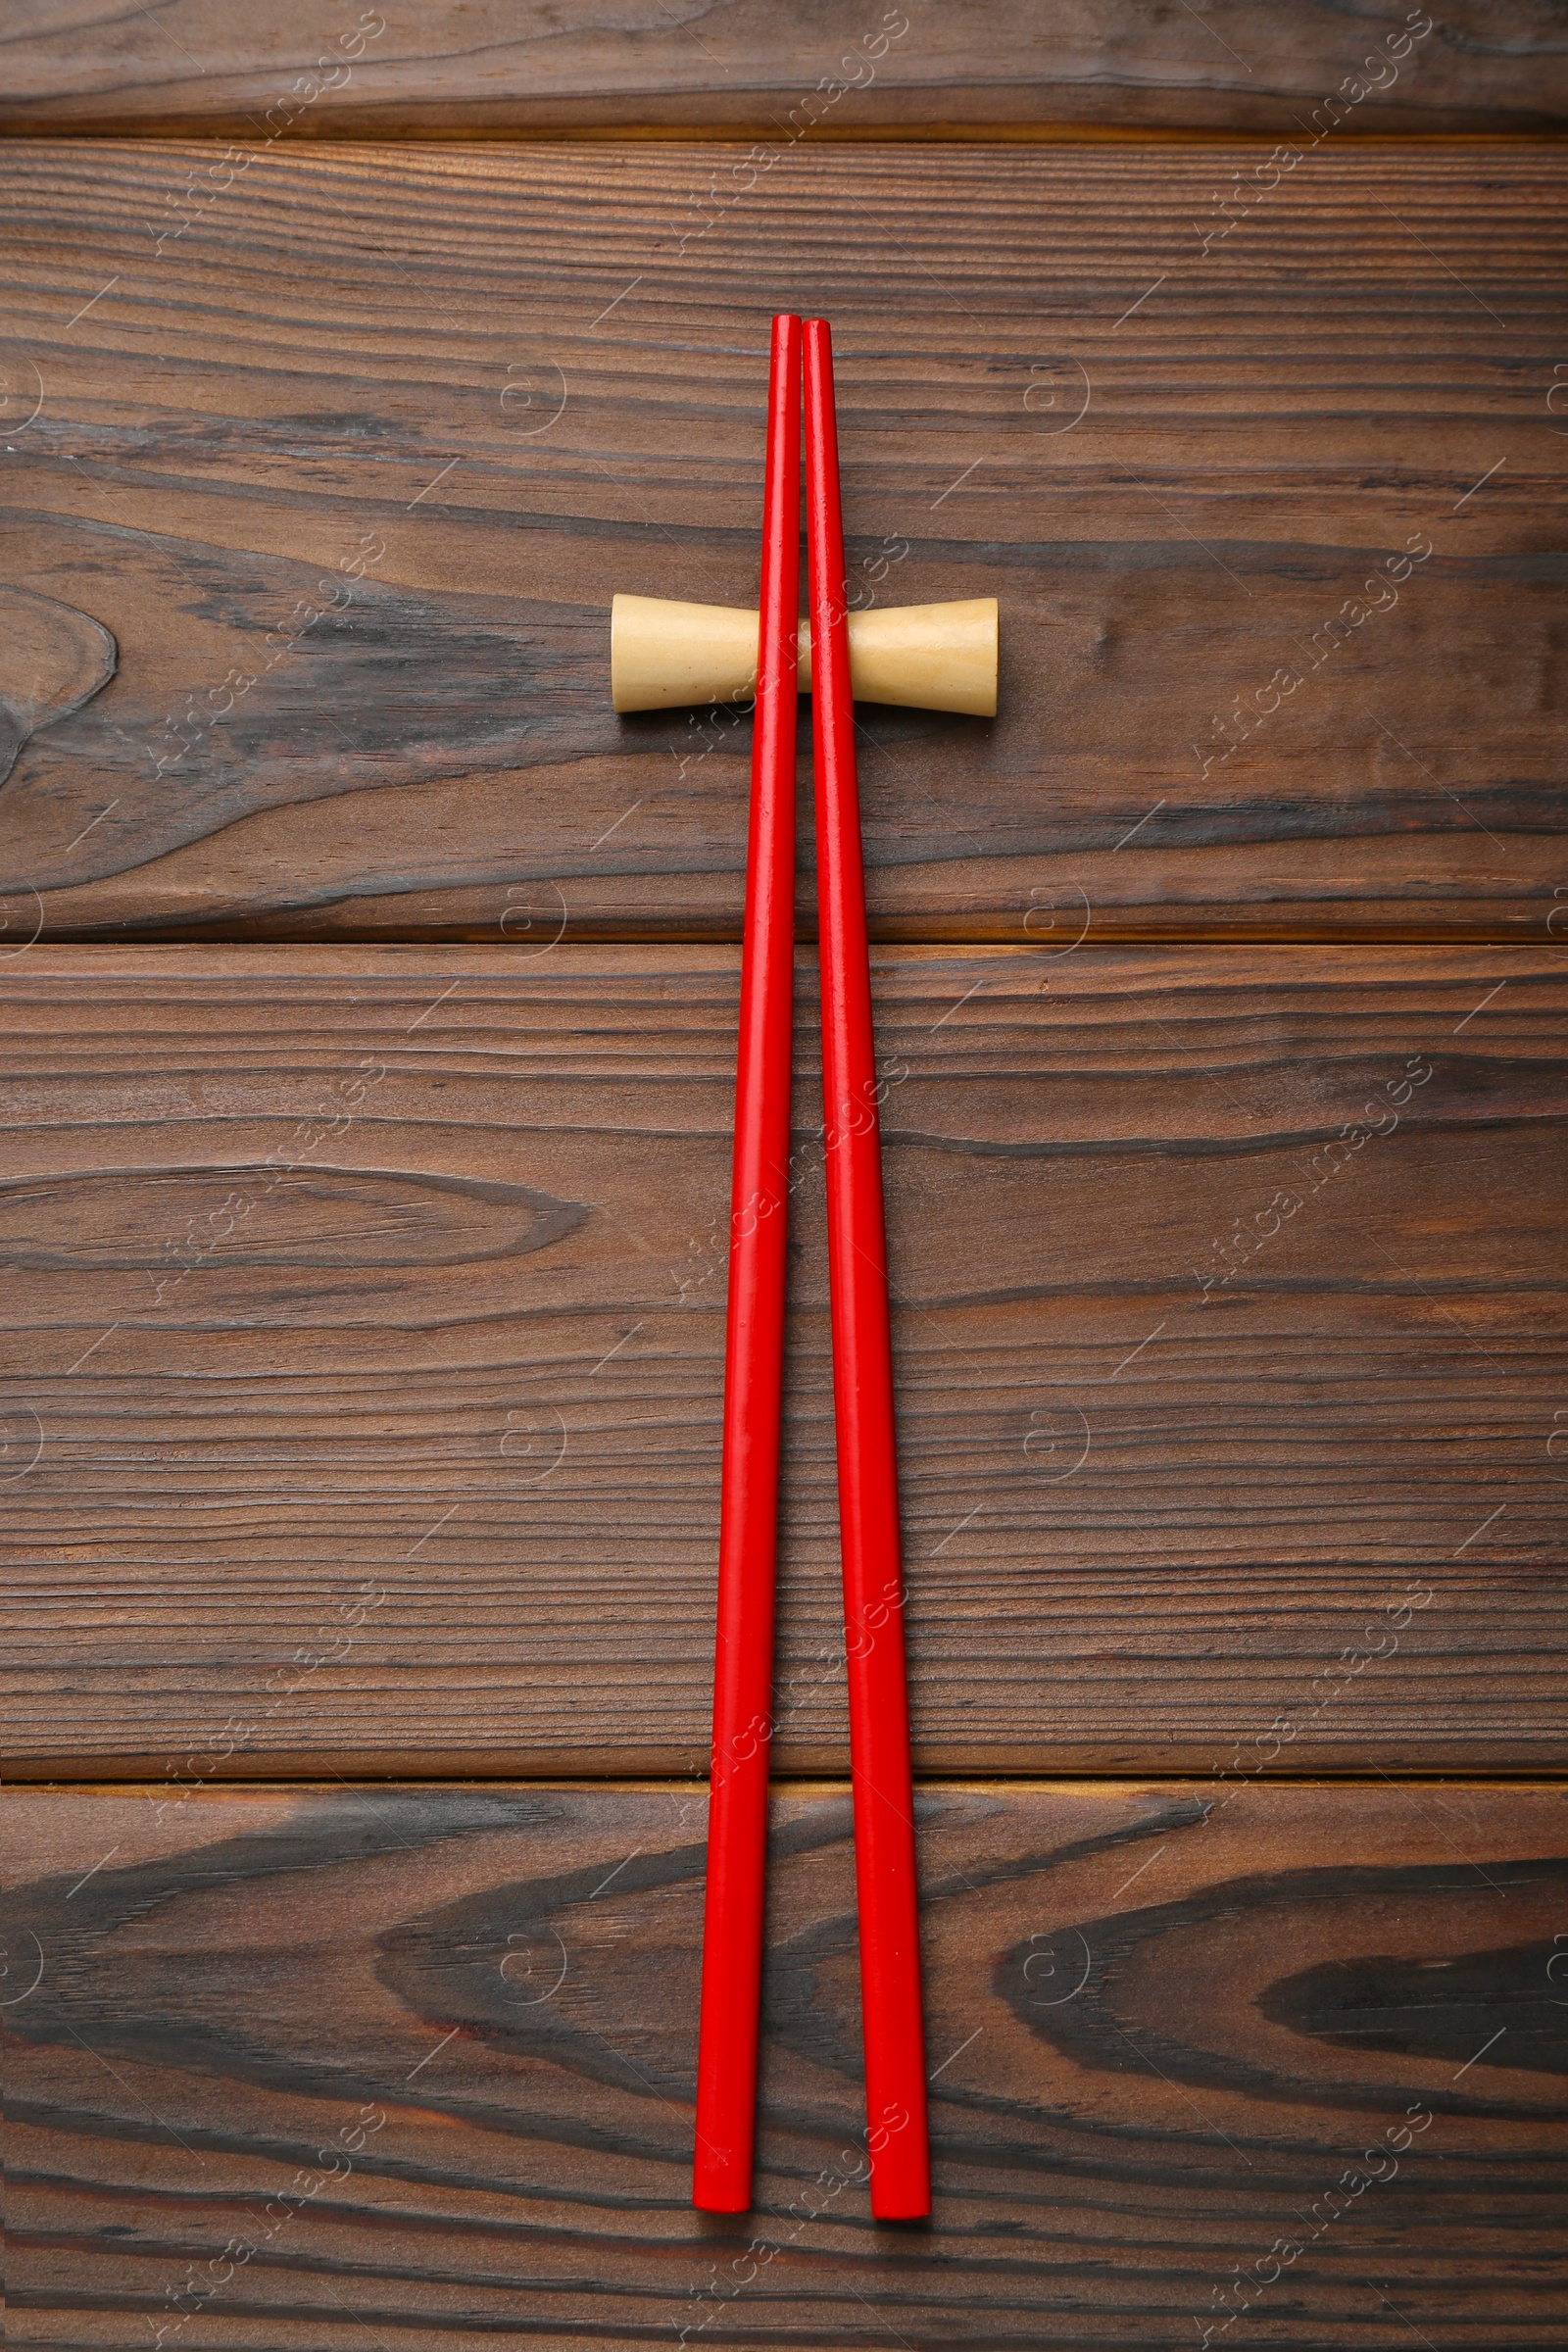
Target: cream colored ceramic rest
664	655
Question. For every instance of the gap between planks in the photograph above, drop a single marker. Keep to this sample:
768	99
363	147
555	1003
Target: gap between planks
145	1773
212	130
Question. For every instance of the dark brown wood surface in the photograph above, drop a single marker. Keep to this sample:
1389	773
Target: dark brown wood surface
822	69
364	1352
309	2069
361	1341
347	448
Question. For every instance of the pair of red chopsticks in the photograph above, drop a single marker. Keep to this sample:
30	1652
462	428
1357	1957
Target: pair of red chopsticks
862	1362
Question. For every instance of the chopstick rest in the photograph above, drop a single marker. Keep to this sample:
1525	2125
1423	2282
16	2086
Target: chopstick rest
664	655
893	2022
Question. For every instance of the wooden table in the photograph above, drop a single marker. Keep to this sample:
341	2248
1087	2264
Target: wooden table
369	993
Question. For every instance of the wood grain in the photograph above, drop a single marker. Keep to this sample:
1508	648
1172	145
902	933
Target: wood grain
347	448
364	1347
449	68
310	2068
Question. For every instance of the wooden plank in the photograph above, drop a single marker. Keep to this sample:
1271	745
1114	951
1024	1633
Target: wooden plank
309	2068
821	70
365	1335
347	450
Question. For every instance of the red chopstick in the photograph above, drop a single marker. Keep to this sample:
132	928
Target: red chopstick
862	1371
753	1353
